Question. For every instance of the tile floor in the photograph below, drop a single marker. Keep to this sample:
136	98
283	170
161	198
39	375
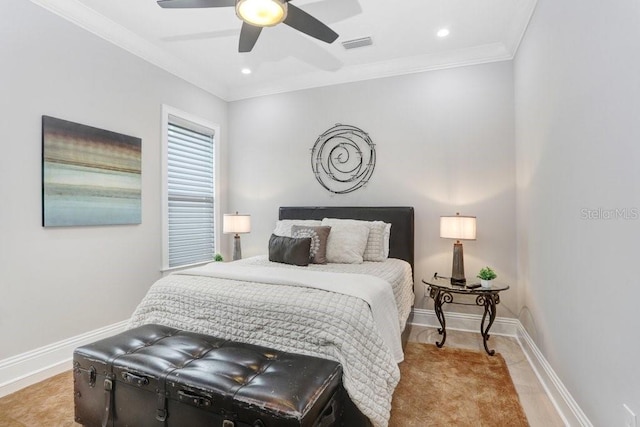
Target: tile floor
537	406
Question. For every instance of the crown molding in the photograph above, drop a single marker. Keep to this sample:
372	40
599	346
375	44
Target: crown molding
519	26
90	20
79	14
409	65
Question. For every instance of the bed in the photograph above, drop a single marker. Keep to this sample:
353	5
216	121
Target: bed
265	303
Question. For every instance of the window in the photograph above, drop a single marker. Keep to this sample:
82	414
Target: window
189	159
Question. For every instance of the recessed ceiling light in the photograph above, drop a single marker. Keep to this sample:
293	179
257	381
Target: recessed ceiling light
246	71
443	32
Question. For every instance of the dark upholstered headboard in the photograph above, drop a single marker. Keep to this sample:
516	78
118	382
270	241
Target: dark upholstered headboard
400	218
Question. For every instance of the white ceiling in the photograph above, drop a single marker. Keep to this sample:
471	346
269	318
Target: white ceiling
201	45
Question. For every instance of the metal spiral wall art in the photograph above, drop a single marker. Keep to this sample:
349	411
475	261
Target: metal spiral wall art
343	159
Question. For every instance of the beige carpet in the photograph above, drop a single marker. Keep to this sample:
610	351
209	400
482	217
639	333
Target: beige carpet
439	387
454	387
49	403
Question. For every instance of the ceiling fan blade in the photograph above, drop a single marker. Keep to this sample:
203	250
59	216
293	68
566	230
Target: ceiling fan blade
302	21
185	4
248	37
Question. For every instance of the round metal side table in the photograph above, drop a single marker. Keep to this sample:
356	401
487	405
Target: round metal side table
442	292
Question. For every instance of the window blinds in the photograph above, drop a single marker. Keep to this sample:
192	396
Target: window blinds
190	175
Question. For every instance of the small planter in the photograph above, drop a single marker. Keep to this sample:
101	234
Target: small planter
485	283
486	275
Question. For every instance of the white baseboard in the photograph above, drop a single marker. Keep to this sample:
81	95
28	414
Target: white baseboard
558	394
36	365
465	322
566	406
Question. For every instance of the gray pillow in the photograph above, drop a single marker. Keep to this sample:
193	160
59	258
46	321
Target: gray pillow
319	236
289	250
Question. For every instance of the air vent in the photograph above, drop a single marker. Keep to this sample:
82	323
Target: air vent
356	43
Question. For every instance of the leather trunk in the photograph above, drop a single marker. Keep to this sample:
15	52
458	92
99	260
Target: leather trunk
160	376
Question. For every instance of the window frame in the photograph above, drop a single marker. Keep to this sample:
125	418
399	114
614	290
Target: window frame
193	121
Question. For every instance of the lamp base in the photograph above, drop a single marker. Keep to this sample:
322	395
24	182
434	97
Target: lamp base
457	272
458	282
237	251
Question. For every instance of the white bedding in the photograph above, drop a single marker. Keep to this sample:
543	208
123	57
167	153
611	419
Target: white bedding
395	271
290	318
374	291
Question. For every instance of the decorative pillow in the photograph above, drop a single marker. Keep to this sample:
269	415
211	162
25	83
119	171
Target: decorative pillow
319	236
289	250
283	226
374	251
347	240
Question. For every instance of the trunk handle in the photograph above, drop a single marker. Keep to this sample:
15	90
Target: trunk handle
185	395
135	379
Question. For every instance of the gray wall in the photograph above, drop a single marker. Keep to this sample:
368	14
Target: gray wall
58	283
444	142
577	84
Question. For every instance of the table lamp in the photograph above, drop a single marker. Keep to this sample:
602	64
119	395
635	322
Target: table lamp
238	224
459	228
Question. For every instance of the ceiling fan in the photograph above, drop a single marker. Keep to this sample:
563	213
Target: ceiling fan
257	14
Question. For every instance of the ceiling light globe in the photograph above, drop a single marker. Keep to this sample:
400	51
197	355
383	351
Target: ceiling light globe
443	32
262	13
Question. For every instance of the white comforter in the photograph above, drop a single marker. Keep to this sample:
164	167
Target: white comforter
299	319
374	291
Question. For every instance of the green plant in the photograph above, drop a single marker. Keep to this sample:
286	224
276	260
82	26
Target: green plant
487	273
218	257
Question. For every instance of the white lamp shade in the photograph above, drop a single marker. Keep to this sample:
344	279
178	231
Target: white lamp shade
458	227
236	223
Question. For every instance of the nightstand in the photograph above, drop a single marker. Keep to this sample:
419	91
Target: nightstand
442	292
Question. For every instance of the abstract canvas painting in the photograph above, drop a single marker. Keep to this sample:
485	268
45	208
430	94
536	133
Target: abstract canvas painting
90	176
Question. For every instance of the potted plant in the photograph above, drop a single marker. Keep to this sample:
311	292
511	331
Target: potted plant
486	275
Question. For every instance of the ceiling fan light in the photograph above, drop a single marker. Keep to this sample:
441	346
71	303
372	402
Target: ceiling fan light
262	13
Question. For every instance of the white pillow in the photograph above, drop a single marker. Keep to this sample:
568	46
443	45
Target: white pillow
377	248
378	241
347	240
283	226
